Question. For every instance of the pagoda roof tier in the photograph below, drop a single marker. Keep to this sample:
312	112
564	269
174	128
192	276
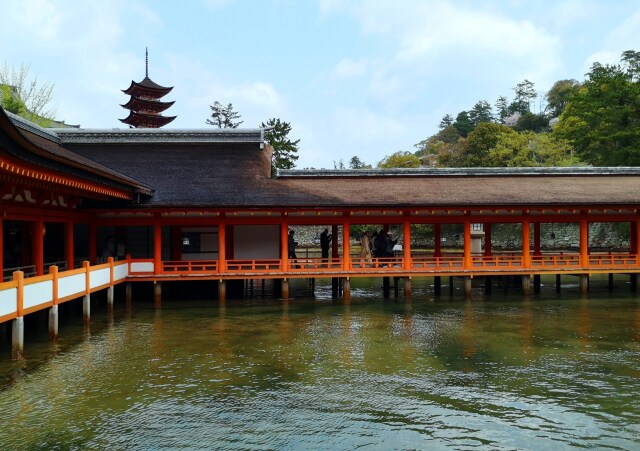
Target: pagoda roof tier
143	120
138	104
147	88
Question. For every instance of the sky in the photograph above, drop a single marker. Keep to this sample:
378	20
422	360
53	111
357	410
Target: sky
362	78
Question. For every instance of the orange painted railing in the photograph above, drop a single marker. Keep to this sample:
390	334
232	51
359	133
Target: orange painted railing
22	296
191	266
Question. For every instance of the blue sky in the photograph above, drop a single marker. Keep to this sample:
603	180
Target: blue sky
358	77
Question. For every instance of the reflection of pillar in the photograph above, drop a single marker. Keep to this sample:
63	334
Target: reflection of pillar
407	287
584	283
37	233
467	286
68	244
157	293
285	289
222	290
526	285
346	289
584	243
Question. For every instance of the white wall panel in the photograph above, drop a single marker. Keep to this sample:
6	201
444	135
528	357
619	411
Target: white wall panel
71	285
37	294
8	301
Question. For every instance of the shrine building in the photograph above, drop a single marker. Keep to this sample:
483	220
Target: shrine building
84	210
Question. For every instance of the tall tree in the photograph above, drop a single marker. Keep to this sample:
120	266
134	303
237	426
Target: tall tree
25	96
357	163
463	123
502	108
481	112
602	118
558	96
284	150
481	141
446	121
224	116
525	94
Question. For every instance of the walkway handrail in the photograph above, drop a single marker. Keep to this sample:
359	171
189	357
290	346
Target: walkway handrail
22	296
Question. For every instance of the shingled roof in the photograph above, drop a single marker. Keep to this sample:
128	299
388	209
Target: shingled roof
231	168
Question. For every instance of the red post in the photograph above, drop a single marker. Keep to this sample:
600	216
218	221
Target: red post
87	276
346	247
68	244
1	250
157	247
110	261
19	277
222	247
526	238
284	245
37	233
53	270
406	245
467	245
584	242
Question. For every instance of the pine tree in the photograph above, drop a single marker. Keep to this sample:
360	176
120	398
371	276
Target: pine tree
224	116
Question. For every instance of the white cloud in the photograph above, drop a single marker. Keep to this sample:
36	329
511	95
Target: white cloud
348	68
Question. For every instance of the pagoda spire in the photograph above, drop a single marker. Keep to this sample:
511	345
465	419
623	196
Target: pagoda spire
145	105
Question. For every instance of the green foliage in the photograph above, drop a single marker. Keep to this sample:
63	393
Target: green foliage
602	118
446	121
525	94
532	122
463	124
481	112
357	163
400	159
224	116
25	96
502	108
558	96
284	150
529	149
481	141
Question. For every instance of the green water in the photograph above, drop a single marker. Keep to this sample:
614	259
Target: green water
499	372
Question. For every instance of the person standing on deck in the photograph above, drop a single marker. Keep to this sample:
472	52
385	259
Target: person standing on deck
365	247
325	242
292	245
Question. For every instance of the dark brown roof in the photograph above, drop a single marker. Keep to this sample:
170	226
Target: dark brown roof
237	175
137	104
40	147
147	87
143	120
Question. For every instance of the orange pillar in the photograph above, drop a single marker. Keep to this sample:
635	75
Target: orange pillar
346	247
584	242
284	245
526	238
467	245
93	243
68	244
37	234
437	238
406	248
222	247
157	247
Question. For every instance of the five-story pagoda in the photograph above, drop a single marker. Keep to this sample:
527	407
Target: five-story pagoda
145	105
